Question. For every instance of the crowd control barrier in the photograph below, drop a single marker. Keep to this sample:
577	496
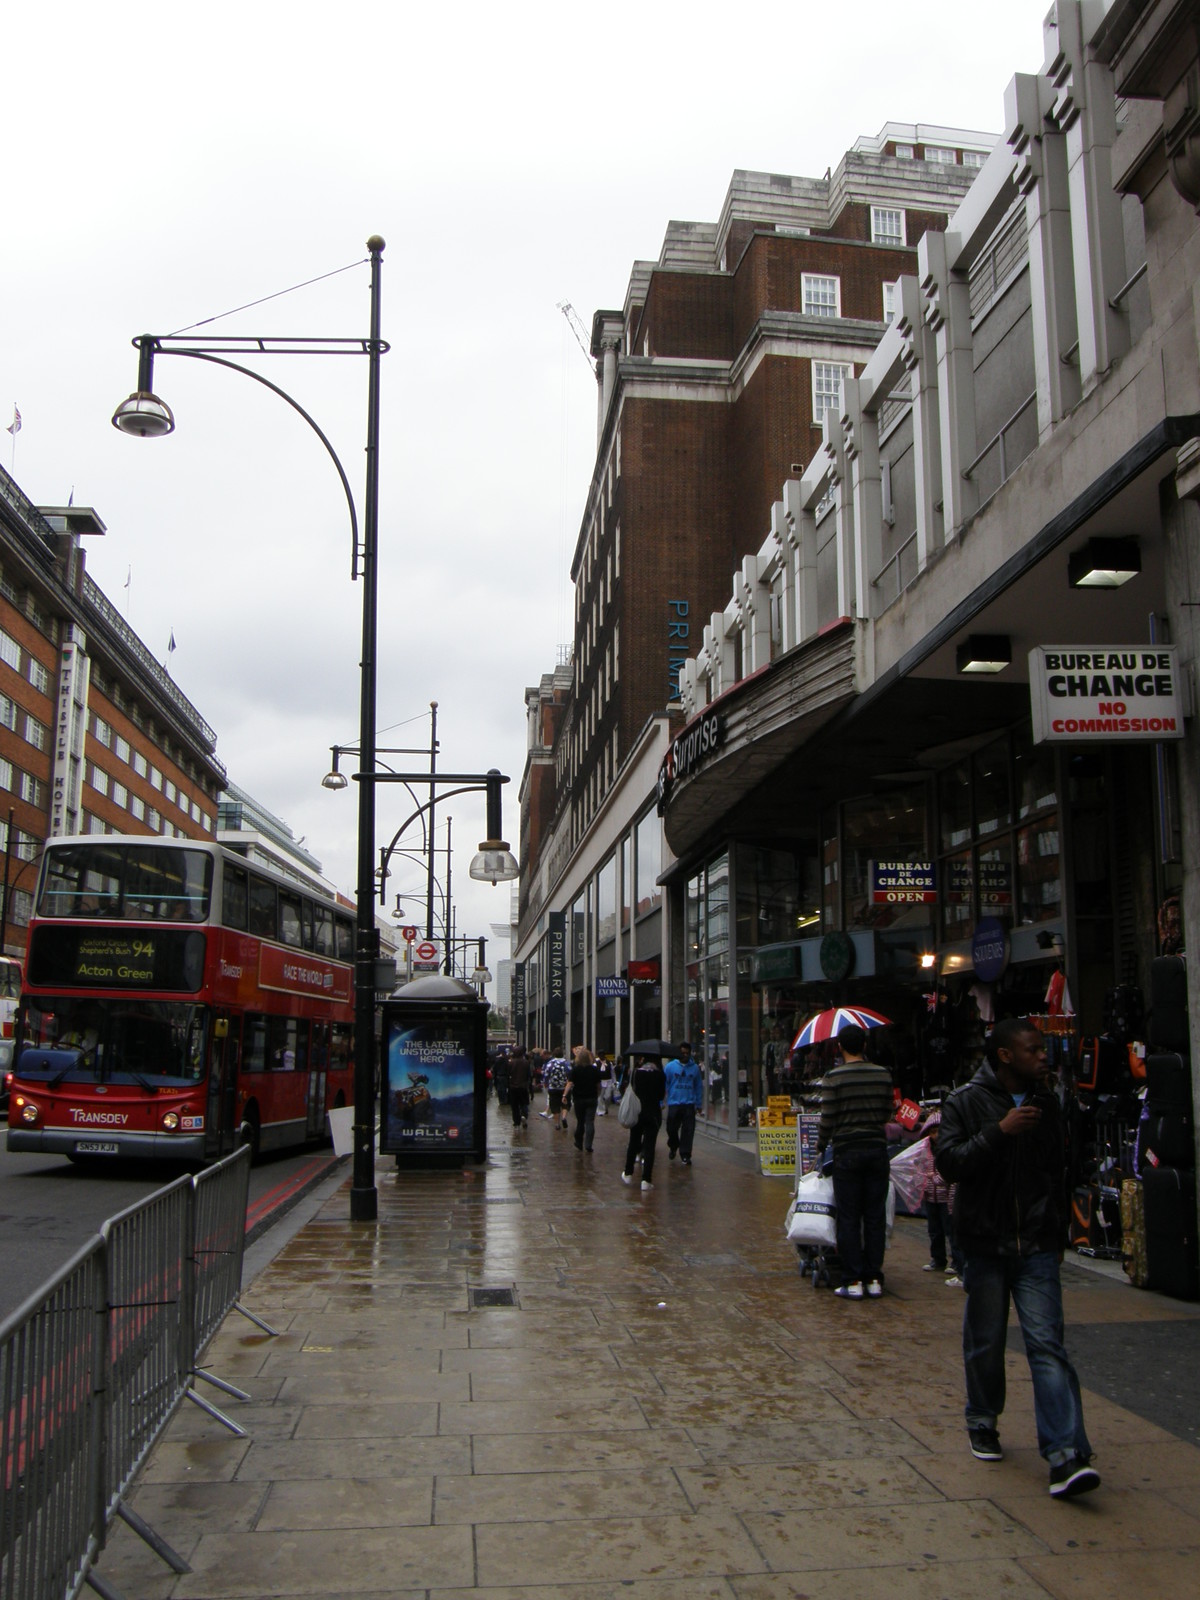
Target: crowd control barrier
93	1367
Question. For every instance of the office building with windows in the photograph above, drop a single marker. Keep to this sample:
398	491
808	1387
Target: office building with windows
95	735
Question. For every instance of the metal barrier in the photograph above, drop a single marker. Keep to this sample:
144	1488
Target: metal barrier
51	1361
93	1367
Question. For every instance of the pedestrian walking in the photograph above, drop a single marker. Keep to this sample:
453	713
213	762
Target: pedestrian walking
685	1096
519	1077
856	1105
554	1076
1001	1141
945	1254
650	1085
583	1088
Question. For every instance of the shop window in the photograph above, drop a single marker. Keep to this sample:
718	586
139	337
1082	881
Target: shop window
990	771
830	883
888	826
626	879
606	901
649	863
958	896
994	875
1038	871
717	905
1034	774
578	930
695	917
954	805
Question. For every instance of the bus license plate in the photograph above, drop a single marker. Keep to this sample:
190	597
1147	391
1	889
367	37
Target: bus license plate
96	1147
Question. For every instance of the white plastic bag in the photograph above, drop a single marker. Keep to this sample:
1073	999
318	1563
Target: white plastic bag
630	1108
813	1215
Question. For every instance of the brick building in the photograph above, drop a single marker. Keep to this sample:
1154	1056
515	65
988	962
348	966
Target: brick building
95	735
713	381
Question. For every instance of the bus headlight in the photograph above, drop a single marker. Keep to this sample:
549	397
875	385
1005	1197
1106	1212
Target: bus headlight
170	1120
29	1112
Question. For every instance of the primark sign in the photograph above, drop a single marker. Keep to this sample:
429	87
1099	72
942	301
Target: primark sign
1106	694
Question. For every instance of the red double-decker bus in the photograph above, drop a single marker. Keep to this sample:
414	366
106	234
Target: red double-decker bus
178	1000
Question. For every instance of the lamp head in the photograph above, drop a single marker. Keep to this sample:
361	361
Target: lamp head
144	416
495	863
335	778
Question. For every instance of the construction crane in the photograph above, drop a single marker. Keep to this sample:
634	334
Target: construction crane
577	328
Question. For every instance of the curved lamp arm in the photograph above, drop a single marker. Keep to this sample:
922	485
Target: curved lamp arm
248	372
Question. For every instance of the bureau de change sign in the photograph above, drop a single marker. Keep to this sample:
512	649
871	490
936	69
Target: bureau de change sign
1103	693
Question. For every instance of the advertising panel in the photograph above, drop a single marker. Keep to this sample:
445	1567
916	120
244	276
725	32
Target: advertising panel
1104	693
611	988
429	1080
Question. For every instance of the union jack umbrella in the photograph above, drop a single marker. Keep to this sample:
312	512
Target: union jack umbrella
828	1024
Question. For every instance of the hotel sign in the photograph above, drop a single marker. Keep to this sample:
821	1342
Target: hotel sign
1104	694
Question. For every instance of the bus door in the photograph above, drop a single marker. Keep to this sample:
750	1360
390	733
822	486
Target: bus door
318	1068
220	1130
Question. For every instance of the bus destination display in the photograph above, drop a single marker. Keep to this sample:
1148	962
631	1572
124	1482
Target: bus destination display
142	958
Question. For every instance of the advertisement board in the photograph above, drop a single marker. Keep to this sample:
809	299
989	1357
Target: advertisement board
903	883
432	1073
556	967
1104	693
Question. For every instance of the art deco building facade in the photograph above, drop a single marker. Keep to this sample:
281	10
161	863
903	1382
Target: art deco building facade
714	378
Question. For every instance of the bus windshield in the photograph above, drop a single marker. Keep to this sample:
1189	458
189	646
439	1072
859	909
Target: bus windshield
115	878
150	1042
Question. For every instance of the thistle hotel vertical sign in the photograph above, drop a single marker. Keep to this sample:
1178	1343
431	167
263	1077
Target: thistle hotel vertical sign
556	967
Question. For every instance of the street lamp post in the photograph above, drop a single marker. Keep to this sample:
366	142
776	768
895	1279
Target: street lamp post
146	416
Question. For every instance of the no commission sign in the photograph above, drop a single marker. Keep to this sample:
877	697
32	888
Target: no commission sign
1104	693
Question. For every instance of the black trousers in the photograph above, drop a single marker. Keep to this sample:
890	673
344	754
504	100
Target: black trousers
518	1100
643	1136
681	1130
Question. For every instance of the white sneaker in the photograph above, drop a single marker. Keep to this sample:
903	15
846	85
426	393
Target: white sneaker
954	1281
627	1177
646	1186
850	1291
874	1289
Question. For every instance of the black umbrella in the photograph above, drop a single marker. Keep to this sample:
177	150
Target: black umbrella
661	1048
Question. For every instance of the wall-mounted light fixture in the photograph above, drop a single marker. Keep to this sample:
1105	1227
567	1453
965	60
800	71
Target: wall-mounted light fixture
984	652
1104	564
928	960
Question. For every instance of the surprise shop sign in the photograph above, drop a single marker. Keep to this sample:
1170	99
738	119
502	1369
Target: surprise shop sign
1101	693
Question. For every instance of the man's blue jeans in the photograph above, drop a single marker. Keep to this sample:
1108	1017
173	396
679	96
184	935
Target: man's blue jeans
861	1176
1032	1284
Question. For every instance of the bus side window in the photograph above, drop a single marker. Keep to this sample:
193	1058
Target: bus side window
233	897
262	909
345	940
323	930
341	1047
289	918
306	923
255	1041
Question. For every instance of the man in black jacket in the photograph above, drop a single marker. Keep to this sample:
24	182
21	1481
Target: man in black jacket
1001	1142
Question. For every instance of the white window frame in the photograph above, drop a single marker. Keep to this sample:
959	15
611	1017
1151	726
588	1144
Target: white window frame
974	159
120	795
123	750
817	280
103	733
890	298
905	152
39	675
10	651
99	780
845	369
941	155
877	236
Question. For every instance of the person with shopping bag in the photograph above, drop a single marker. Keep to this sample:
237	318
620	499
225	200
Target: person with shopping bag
856	1106
648	1083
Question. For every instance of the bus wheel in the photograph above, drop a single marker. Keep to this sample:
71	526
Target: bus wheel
248	1134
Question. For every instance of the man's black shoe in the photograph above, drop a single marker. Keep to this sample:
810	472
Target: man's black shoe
1073	1477
985	1444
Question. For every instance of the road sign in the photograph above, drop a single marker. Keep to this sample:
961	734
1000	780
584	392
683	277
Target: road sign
428	953
408	934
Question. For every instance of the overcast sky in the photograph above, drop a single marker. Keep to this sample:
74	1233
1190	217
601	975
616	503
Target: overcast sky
168	164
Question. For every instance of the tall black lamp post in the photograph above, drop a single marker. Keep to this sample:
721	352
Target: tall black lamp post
145	416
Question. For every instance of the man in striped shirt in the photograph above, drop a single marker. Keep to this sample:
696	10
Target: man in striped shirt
856	1104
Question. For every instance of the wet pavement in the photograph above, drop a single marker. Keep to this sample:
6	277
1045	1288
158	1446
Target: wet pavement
667	1411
